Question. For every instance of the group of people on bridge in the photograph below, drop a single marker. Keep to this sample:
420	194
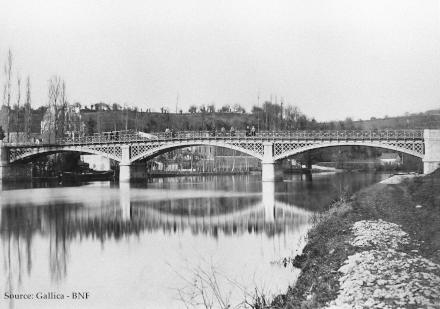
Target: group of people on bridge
250	131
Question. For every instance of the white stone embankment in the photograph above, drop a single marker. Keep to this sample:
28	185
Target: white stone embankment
396	179
381	276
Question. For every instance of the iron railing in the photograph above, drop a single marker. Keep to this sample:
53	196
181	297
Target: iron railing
130	137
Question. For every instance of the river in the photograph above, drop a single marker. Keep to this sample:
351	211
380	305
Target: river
170	243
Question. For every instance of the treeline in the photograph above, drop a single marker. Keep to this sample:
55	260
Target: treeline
269	117
16	111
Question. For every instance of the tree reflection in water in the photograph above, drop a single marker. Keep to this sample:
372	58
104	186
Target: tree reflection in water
123	217
239	213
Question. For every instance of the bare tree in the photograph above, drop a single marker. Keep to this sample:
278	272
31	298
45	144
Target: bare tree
63	119
57	108
99	127
126	117
54	96
291	116
17	108
8	91
27	110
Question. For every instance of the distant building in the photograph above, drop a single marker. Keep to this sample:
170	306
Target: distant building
96	162
390	158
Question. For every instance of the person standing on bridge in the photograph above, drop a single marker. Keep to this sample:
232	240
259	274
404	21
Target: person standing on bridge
248	131
253	131
232	131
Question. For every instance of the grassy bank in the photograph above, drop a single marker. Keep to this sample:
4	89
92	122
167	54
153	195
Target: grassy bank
413	204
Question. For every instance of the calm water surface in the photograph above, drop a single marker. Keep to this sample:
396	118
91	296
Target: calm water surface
157	245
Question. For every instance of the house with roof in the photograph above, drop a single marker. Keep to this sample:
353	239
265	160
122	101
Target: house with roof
390	158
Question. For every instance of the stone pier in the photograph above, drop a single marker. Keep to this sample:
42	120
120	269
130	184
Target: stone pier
431	160
268	163
124	165
3	161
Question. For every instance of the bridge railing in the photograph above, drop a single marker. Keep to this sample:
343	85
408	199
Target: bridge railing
345	134
127	136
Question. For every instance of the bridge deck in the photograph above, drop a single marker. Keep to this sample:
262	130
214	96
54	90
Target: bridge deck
132	137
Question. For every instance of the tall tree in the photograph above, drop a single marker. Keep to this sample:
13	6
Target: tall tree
27	110
17	108
8	92
63	119
54	97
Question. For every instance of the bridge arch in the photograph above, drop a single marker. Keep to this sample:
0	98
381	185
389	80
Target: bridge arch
305	148
250	211
113	153
252	149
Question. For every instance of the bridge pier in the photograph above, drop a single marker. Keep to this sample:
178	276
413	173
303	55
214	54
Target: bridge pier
124	173
268	163
124	165
431	161
3	161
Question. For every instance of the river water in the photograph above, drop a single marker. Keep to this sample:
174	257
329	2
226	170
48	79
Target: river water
171	243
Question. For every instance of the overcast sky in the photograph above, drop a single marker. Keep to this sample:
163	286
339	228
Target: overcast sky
331	58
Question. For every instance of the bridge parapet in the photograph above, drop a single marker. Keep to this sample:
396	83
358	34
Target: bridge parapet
132	137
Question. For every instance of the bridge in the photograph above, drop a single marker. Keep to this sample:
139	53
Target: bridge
269	147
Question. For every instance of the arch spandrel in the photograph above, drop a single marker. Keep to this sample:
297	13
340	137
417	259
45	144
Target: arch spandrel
147	150
23	153
285	150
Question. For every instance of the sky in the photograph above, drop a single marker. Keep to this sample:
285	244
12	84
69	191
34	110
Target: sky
331	58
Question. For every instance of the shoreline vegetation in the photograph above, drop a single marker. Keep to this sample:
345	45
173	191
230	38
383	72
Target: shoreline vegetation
378	248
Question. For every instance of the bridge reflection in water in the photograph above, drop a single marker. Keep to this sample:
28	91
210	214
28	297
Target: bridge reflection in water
66	215
203	214
65	238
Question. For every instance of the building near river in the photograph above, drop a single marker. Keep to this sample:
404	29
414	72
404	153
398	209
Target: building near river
97	163
390	158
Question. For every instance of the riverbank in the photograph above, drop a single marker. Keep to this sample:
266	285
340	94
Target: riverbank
401	270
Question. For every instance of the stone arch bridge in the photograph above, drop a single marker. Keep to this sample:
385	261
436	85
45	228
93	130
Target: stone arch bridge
269	147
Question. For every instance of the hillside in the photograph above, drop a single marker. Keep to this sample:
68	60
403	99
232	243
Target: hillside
158	122
110	120
427	120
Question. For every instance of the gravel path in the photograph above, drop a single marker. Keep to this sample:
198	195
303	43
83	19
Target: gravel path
381	276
